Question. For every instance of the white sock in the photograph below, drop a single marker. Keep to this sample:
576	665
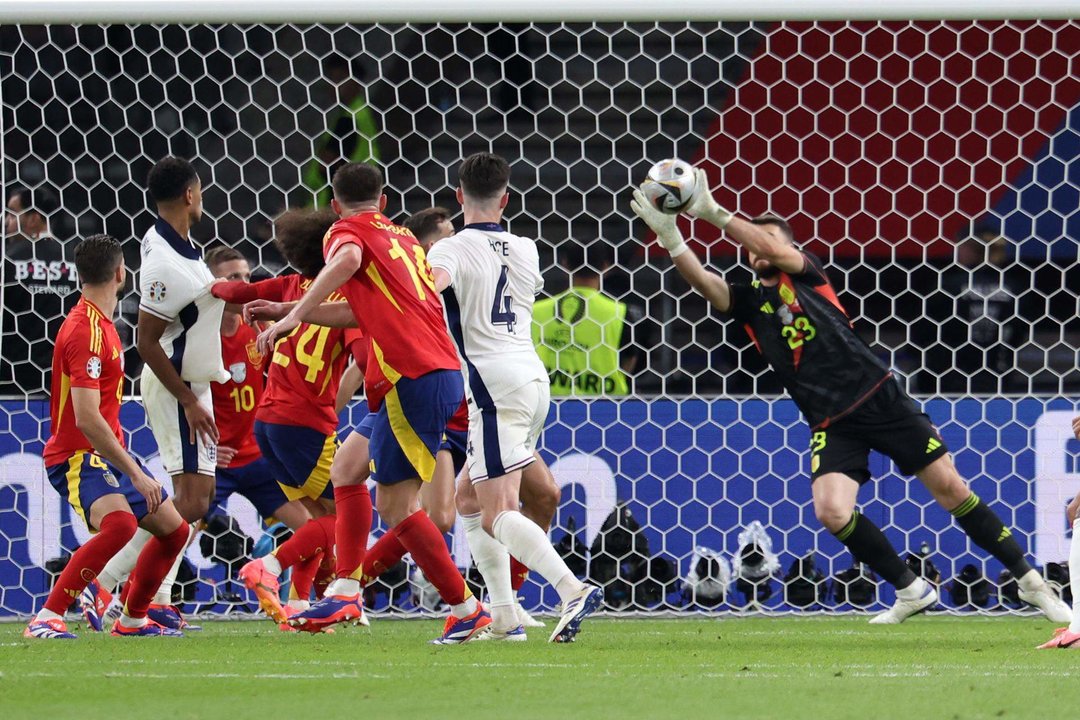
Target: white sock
531	546
914	591
465	609
343	586
493	562
47	614
130	622
164	593
298	604
120	565
272	565
1032	580
1074	579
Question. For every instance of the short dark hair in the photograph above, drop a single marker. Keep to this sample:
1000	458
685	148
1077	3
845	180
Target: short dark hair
41	200
426	221
484	176
769	219
299	234
96	259
586	260
170	178
221	254
357	183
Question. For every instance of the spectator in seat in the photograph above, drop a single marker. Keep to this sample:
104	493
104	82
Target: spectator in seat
584	337
973	325
38	278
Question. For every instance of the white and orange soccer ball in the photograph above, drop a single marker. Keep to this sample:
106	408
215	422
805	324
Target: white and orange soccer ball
670	185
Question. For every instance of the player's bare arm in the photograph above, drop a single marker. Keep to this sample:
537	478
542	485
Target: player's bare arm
86	402
200	419
711	286
351	381
759	240
344	263
335	314
442	278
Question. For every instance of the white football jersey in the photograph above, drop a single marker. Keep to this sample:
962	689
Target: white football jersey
174	285
494	279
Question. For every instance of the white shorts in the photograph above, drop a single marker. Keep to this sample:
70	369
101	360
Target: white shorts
503	438
170	427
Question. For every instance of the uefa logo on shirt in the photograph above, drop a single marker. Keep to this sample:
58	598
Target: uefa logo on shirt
93	367
156	291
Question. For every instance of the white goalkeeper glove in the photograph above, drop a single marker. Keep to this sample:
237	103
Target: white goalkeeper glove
704	205
663	224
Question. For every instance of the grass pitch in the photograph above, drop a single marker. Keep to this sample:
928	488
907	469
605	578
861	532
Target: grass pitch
828	668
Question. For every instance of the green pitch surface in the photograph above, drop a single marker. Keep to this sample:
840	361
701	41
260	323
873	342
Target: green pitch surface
828	668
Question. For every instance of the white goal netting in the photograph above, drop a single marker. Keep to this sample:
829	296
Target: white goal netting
932	165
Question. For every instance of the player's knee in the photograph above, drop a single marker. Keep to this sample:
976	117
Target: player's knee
443	518
546	501
832	515
192	508
347	476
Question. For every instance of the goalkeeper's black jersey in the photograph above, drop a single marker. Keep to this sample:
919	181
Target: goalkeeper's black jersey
800	328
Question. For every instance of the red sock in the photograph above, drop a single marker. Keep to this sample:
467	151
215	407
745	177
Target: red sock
382	556
325	574
354	508
115	530
125	590
154	563
518	573
303	576
428	549
313	537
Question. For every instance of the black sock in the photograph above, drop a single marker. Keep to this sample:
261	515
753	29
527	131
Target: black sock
987	531
869	545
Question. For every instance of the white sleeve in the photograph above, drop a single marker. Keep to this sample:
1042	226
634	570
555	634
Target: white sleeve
539	285
162	294
442	257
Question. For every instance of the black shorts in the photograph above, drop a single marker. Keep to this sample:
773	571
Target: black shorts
888	421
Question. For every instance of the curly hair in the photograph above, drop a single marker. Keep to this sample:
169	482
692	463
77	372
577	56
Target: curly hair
299	234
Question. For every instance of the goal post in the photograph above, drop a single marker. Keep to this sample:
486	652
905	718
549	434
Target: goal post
927	154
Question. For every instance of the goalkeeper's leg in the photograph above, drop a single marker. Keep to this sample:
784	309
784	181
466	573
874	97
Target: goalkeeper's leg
987	531
834	504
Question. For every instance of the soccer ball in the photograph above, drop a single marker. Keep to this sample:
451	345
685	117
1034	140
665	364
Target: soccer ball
670	185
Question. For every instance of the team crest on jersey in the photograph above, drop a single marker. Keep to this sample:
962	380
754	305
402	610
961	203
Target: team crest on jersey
93	367
156	291
254	356
238	371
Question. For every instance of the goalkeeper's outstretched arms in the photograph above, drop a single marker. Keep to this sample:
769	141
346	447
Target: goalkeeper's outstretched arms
761	243
713	287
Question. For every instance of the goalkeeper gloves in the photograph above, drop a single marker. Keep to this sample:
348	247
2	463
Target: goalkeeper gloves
704	205
663	224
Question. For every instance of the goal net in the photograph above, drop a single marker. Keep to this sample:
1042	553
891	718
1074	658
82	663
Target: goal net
930	164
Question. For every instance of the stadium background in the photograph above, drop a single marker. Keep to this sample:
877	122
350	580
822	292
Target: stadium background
881	142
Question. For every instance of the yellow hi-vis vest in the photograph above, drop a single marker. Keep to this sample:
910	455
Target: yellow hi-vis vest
360	134
578	334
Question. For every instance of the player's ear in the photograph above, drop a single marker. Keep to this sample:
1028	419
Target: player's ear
382	202
460	196
504	200
336	207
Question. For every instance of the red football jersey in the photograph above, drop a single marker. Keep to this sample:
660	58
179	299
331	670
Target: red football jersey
87	354
306	365
236	401
393	297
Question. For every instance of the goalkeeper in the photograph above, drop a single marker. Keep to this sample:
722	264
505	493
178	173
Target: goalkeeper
849	397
